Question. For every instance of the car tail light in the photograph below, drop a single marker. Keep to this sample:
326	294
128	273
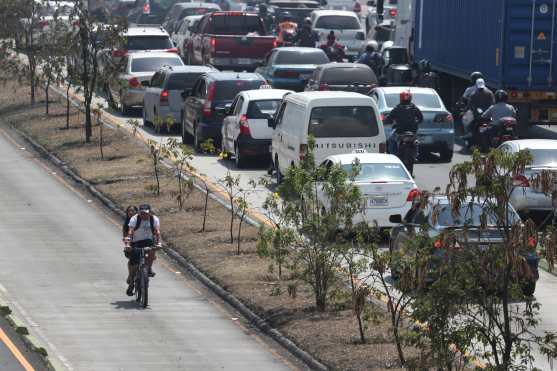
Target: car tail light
244	125
275	43
146	8
323	86
172	50
514	94
134	83
163	98
213	43
382	117
207	106
303	151
521	181
75	23
393	12
413	194
287	74
444	118
119	53
43	24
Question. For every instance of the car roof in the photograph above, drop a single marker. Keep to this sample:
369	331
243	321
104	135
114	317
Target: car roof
365	158
345	13
198	5
145	31
224	76
256	94
193	17
399	89
343	65
293	2
301	49
328	97
143	54
192	69
522	144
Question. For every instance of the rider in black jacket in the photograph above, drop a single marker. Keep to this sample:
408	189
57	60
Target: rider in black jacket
405	118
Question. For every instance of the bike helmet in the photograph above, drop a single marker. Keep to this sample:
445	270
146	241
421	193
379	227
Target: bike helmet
405	96
501	96
371	46
475	76
425	65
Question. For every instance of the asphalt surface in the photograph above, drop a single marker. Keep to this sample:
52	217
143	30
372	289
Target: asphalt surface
63	273
14	354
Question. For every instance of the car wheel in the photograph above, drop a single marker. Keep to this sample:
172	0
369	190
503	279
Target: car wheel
238	158
446	155
277	171
144	114
528	288
124	109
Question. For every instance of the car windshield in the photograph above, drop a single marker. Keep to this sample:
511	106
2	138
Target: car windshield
293	5
293	57
182	81
379	172
263	109
227	90
544	157
349	76
153	64
148	43
338	22
343	122
236	25
470	215
195	11
422	100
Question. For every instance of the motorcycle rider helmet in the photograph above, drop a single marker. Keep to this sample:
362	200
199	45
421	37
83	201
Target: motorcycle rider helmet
480	83
501	96
331	37
425	66
287	17
371	46
474	76
263	9
307	22
405	97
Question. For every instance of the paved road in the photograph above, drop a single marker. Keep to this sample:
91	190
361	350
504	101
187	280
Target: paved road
14	355
63	272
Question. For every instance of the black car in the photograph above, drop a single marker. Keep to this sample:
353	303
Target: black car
354	77
203	108
438	216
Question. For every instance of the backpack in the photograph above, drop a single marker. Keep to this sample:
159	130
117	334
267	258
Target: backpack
151	221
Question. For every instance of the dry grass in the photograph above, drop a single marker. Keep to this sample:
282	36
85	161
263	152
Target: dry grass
125	176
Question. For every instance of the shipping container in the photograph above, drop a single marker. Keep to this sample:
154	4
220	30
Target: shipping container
512	42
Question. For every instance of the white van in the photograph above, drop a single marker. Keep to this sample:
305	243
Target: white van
341	122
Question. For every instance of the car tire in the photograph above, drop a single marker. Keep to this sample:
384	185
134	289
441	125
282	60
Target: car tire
239	160
277	171
528	288
446	155
124	110
146	122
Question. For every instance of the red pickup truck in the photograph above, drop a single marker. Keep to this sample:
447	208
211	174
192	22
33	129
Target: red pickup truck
231	41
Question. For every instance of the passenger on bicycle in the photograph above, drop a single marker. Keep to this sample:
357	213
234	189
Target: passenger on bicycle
144	231
130	212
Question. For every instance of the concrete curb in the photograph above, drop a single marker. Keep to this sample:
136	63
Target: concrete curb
260	323
29	340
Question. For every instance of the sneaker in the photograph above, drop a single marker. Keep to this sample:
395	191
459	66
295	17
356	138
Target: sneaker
129	291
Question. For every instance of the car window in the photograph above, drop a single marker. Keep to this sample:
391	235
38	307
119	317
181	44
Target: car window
470	215
238	107
153	64
292	57
337	22
280	114
348	75
544	157
343	122
123	65
148	43
226	90
378	172
422	100
182	81
157	80
236	25
263	109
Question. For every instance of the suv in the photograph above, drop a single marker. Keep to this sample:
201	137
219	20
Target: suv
343	76
144	38
346	25
181	10
203	108
163	96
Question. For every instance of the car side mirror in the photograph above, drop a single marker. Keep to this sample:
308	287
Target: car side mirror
271	122
221	110
395	219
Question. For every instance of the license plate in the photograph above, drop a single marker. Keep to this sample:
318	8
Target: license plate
377	201
426	140
244	61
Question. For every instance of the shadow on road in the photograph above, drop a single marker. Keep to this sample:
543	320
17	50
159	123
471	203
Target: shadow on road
126	304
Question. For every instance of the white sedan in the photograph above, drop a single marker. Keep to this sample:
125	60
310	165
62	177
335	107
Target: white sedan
386	186
525	197
245	129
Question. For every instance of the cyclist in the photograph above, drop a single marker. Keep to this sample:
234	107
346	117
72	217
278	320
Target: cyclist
143	231
130	212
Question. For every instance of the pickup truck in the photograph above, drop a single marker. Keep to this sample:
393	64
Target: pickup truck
231	41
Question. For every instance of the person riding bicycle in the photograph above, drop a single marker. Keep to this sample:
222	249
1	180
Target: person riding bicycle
372	58
307	36
333	49
144	231
405	117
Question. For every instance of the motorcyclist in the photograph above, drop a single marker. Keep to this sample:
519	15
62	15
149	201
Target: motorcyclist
482	98
307	36
267	19
405	117
333	49
372	58
287	30
499	110
474	76
426	77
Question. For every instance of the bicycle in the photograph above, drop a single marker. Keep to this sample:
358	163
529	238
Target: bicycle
142	277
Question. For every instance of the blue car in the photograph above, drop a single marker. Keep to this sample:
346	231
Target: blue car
436	132
291	67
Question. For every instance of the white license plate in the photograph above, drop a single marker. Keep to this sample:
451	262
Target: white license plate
377	201
426	140
244	61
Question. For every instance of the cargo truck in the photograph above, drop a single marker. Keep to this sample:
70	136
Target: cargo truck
512	42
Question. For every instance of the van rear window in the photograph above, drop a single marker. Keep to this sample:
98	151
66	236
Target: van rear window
343	122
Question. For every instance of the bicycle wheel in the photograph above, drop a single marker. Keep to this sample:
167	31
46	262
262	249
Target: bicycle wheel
145	288
138	284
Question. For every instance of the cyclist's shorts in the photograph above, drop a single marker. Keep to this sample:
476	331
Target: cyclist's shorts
134	254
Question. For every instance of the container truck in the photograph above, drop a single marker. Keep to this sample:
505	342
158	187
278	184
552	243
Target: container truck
512	42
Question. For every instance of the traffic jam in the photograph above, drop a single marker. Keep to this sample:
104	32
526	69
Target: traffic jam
377	83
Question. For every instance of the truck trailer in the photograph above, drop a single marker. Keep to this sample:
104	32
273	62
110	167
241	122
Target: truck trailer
512	42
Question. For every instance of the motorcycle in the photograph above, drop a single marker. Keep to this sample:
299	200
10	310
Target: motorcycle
408	149
505	131
472	123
